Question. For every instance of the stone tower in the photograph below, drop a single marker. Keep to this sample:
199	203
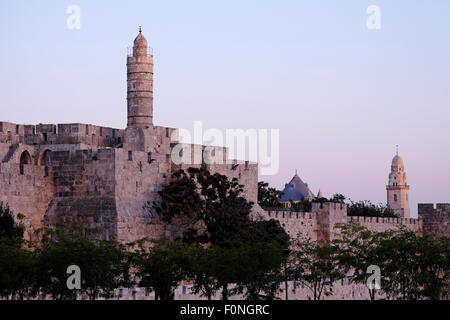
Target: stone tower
398	189
140	84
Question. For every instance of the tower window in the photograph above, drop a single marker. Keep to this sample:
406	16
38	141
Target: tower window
130	155
395	197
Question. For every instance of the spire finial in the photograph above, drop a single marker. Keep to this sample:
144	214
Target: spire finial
140	29
295	171
396	147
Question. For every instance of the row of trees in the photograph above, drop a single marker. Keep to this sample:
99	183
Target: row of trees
33	270
411	266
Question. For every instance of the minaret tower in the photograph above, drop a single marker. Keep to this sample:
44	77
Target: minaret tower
140	84
398	189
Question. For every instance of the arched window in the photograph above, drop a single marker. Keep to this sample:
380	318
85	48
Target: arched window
44	159
395	197
25	158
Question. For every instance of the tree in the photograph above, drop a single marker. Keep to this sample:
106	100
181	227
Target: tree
316	265
162	267
357	248
338	198
397	251
16	262
219	218
414	266
202	271
259	271
10	230
212	205
252	263
367	209
17	271
268	197
103	265
434	266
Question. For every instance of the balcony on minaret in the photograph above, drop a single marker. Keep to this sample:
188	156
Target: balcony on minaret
131	52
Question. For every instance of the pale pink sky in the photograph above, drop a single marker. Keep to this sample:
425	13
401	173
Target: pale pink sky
342	95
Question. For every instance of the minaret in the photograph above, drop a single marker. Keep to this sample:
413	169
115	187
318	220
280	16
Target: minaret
140	84
398	189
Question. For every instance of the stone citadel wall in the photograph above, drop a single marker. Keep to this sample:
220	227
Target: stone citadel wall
97	178
319	223
436	219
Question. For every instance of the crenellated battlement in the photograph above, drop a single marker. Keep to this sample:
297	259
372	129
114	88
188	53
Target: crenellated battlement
385	220
319	223
49	134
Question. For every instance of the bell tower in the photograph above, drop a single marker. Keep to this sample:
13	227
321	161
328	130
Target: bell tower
398	189
140	84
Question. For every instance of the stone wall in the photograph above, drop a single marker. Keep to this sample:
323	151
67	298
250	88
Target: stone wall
84	191
29	193
435	219
319	224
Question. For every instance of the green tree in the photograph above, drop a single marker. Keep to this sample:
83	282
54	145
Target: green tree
10	230
398	252
357	250
368	209
259	267
219	217
201	271
338	198
253	264
316	265
103	265
162	267
212	204
268	197
17	271
414	266
16	261
434	266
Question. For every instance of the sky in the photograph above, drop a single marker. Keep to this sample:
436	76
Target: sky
342	95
